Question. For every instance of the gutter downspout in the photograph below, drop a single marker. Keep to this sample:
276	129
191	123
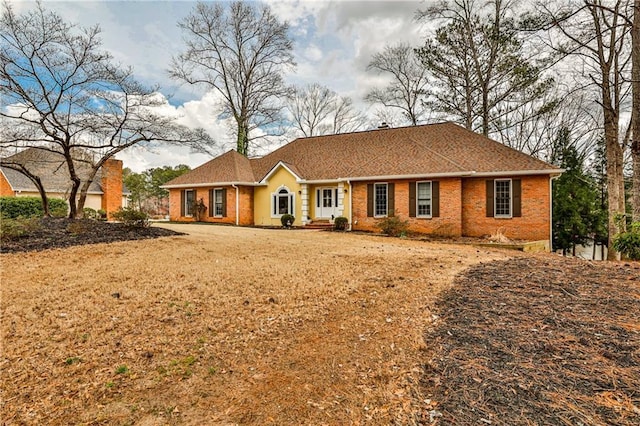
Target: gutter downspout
237	203
350	205
551	179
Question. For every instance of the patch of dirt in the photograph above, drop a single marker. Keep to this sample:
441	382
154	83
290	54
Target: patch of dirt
60	232
539	340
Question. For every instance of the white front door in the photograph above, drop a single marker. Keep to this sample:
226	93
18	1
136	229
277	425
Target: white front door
326	202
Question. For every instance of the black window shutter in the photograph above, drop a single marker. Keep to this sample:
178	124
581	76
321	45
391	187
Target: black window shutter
182	198
318	196
391	206
490	198
211	203
516	189
412	199
370	200
435	199
224	202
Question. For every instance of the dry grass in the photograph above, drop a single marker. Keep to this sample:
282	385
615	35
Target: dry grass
223	326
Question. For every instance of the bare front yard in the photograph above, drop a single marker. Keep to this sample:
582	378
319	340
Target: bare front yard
256	327
223	326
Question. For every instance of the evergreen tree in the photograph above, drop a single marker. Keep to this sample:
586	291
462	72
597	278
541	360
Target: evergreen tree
575	198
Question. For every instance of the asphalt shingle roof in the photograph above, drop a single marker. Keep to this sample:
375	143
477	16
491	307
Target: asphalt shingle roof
433	149
229	167
51	169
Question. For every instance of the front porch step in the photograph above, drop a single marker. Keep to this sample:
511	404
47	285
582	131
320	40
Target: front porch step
319	224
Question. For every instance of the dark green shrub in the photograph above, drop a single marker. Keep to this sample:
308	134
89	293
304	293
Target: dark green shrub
14	207
132	217
287	220
102	214
393	226
628	243
89	213
340	223
58	207
15	228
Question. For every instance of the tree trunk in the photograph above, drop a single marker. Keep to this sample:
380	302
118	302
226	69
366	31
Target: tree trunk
243	137
615	181
75	184
85	188
43	196
73	207
83	197
635	109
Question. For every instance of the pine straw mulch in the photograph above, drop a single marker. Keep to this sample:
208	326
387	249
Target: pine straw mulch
63	232
534	341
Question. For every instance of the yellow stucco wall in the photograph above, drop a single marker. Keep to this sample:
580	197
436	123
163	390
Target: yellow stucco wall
262	198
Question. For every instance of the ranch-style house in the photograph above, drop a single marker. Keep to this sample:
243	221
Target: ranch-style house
444	179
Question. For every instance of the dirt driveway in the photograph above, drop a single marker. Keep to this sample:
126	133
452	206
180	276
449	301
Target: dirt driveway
225	325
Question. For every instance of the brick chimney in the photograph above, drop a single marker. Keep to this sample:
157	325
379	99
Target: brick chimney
111	186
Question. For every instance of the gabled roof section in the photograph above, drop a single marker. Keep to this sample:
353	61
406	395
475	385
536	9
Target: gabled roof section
51	168
230	167
433	149
289	167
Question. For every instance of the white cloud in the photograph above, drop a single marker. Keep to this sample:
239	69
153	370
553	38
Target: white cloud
333	43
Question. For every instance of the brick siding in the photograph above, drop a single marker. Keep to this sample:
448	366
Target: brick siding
447	224
111	184
5	188
463	209
534	224
245	217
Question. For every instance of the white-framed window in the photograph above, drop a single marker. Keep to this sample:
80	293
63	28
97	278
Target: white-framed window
502	198
189	201
380	200
218	202
282	202
423	199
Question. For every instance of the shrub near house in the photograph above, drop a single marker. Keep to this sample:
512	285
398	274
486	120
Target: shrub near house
14	207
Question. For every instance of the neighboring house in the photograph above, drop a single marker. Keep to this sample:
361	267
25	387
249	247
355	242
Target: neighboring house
106	192
442	178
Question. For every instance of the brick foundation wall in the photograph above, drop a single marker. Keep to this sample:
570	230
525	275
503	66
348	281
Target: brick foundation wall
111	184
534	224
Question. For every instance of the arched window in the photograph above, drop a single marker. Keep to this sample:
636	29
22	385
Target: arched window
282	202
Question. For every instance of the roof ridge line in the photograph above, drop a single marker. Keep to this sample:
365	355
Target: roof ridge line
236	165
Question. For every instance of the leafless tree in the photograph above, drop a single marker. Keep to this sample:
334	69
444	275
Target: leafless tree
534	128
63	94
480	66
635	108
597	34
318	110
239	50
408	83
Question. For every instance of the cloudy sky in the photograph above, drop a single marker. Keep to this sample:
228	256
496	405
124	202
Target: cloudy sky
333	42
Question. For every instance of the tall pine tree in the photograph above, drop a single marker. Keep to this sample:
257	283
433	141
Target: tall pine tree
575	198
